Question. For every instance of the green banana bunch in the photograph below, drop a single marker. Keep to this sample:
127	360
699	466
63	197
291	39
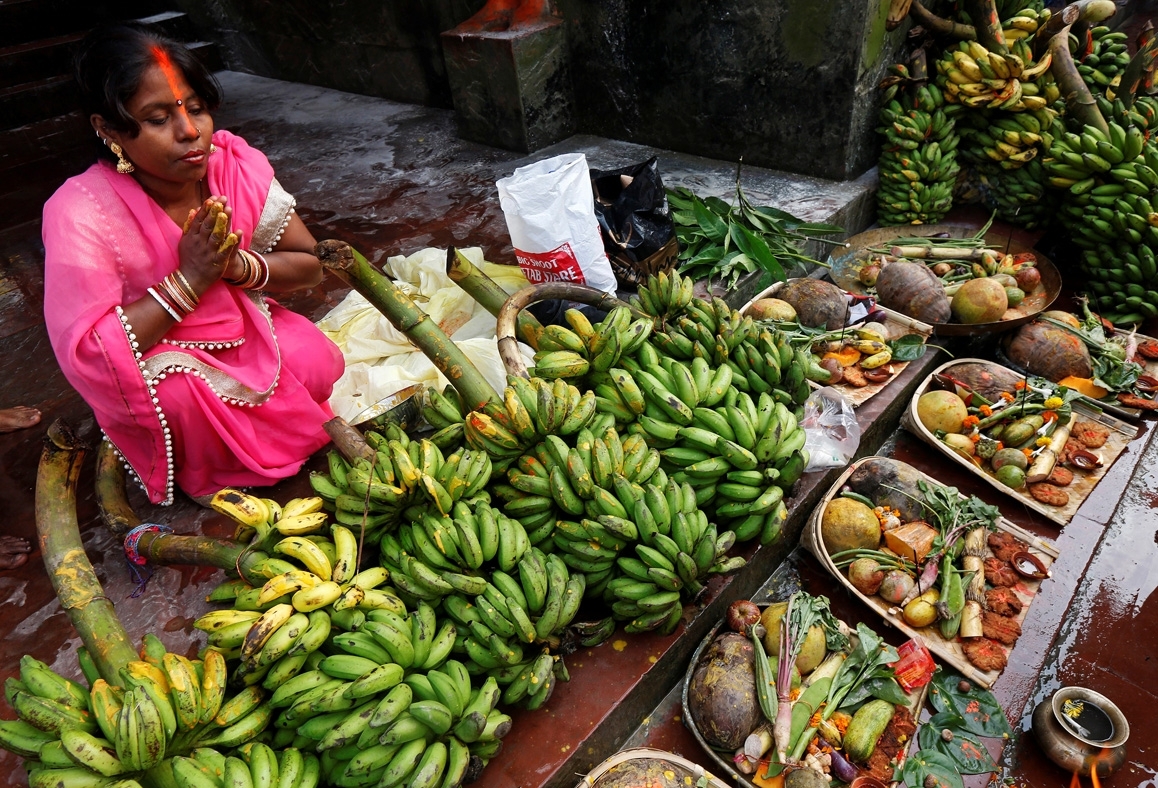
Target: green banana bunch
1102	58
918	158
665	295
1019	21
1019	196
577	352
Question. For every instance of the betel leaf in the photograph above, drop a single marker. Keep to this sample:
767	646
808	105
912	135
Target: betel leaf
979	710
923	764
910	347
963	748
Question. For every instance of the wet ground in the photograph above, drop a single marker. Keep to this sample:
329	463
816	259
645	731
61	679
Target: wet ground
393	179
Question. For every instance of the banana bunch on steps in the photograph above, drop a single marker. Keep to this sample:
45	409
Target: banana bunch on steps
918	164
974	77
1102	58
167	710
573	353
403	479
441	555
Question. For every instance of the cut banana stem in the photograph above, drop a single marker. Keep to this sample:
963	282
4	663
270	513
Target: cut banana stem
488	293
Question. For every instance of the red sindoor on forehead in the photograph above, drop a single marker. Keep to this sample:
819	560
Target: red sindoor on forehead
169	70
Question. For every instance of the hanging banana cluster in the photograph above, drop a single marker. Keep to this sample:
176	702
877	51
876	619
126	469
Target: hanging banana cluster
1110	206
974	77
1102	58
405	476
1009	9
1019	196
918	162
1024	22
163	719
1008	140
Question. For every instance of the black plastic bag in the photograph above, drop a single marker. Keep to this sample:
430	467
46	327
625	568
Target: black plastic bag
632	210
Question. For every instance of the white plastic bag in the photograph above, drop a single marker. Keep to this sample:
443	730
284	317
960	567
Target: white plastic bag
550	212
832	433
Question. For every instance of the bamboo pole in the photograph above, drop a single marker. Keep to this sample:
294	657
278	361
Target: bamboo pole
509	346
73	578
114	507
983	15
488	293
1079	101
1059	19
939	25
404	314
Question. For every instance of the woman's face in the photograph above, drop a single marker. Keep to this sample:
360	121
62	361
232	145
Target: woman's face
175	129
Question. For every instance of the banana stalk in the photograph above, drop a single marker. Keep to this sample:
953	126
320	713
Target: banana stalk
110	492
898	10
983	14
404	314
488	293
73	578
175	549
1136	71
1079	101
939	25
348	440
1058	20
508	315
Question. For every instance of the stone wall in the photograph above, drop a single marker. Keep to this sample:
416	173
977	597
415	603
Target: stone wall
785	84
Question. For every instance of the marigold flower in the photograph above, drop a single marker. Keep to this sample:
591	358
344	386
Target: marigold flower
975	437
1049	415
1053	403
986	410
1000	445
1005	395
1028	453
970	421
1042	441
1019	385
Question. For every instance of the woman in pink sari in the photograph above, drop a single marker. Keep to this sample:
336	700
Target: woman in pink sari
195	377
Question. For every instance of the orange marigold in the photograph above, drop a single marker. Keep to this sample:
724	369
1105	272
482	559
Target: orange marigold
970	421
975	437
986	410
1049	415
1005	395
1028	453
1000	445
1019	385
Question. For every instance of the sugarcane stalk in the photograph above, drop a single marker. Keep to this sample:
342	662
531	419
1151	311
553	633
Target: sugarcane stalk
1079	101
939	25
72	575
1141	65
509	346
488	293
404	314
348	440
986	22
1059	19
110	492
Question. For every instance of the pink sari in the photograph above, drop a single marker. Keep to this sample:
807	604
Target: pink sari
215	403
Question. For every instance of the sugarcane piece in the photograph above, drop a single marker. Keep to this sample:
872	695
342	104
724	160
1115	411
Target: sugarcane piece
975	544
72	575
110	492
1044	463
939	25
488	293
1079	101
505	329
348	440
987	23
404	314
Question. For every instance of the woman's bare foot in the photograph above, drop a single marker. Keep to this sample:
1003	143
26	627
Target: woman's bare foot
13	551
18	418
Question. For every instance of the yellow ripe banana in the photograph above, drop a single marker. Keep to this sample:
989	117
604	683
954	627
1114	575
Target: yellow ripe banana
215	675
302	524
219	619
286	583
184	690
371	578
147	671
105	703
242	507
263	628
308	553
299	506
346	551
308	599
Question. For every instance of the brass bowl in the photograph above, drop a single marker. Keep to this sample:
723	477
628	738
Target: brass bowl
1062	745
403	407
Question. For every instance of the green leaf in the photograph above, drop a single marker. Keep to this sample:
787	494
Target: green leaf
925	763
818	228
978	708
717	206
966	752
755	247
686	218
887	688
910	347
711	224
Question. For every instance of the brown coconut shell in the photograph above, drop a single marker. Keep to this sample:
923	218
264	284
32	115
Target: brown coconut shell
1049	351
913	290
817	303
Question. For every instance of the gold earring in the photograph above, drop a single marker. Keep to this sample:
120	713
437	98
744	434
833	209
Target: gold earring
124	166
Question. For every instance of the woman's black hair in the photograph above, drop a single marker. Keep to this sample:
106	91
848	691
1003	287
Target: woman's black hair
111	62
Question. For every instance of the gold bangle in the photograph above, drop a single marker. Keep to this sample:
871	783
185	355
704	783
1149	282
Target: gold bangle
188	288
246	272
